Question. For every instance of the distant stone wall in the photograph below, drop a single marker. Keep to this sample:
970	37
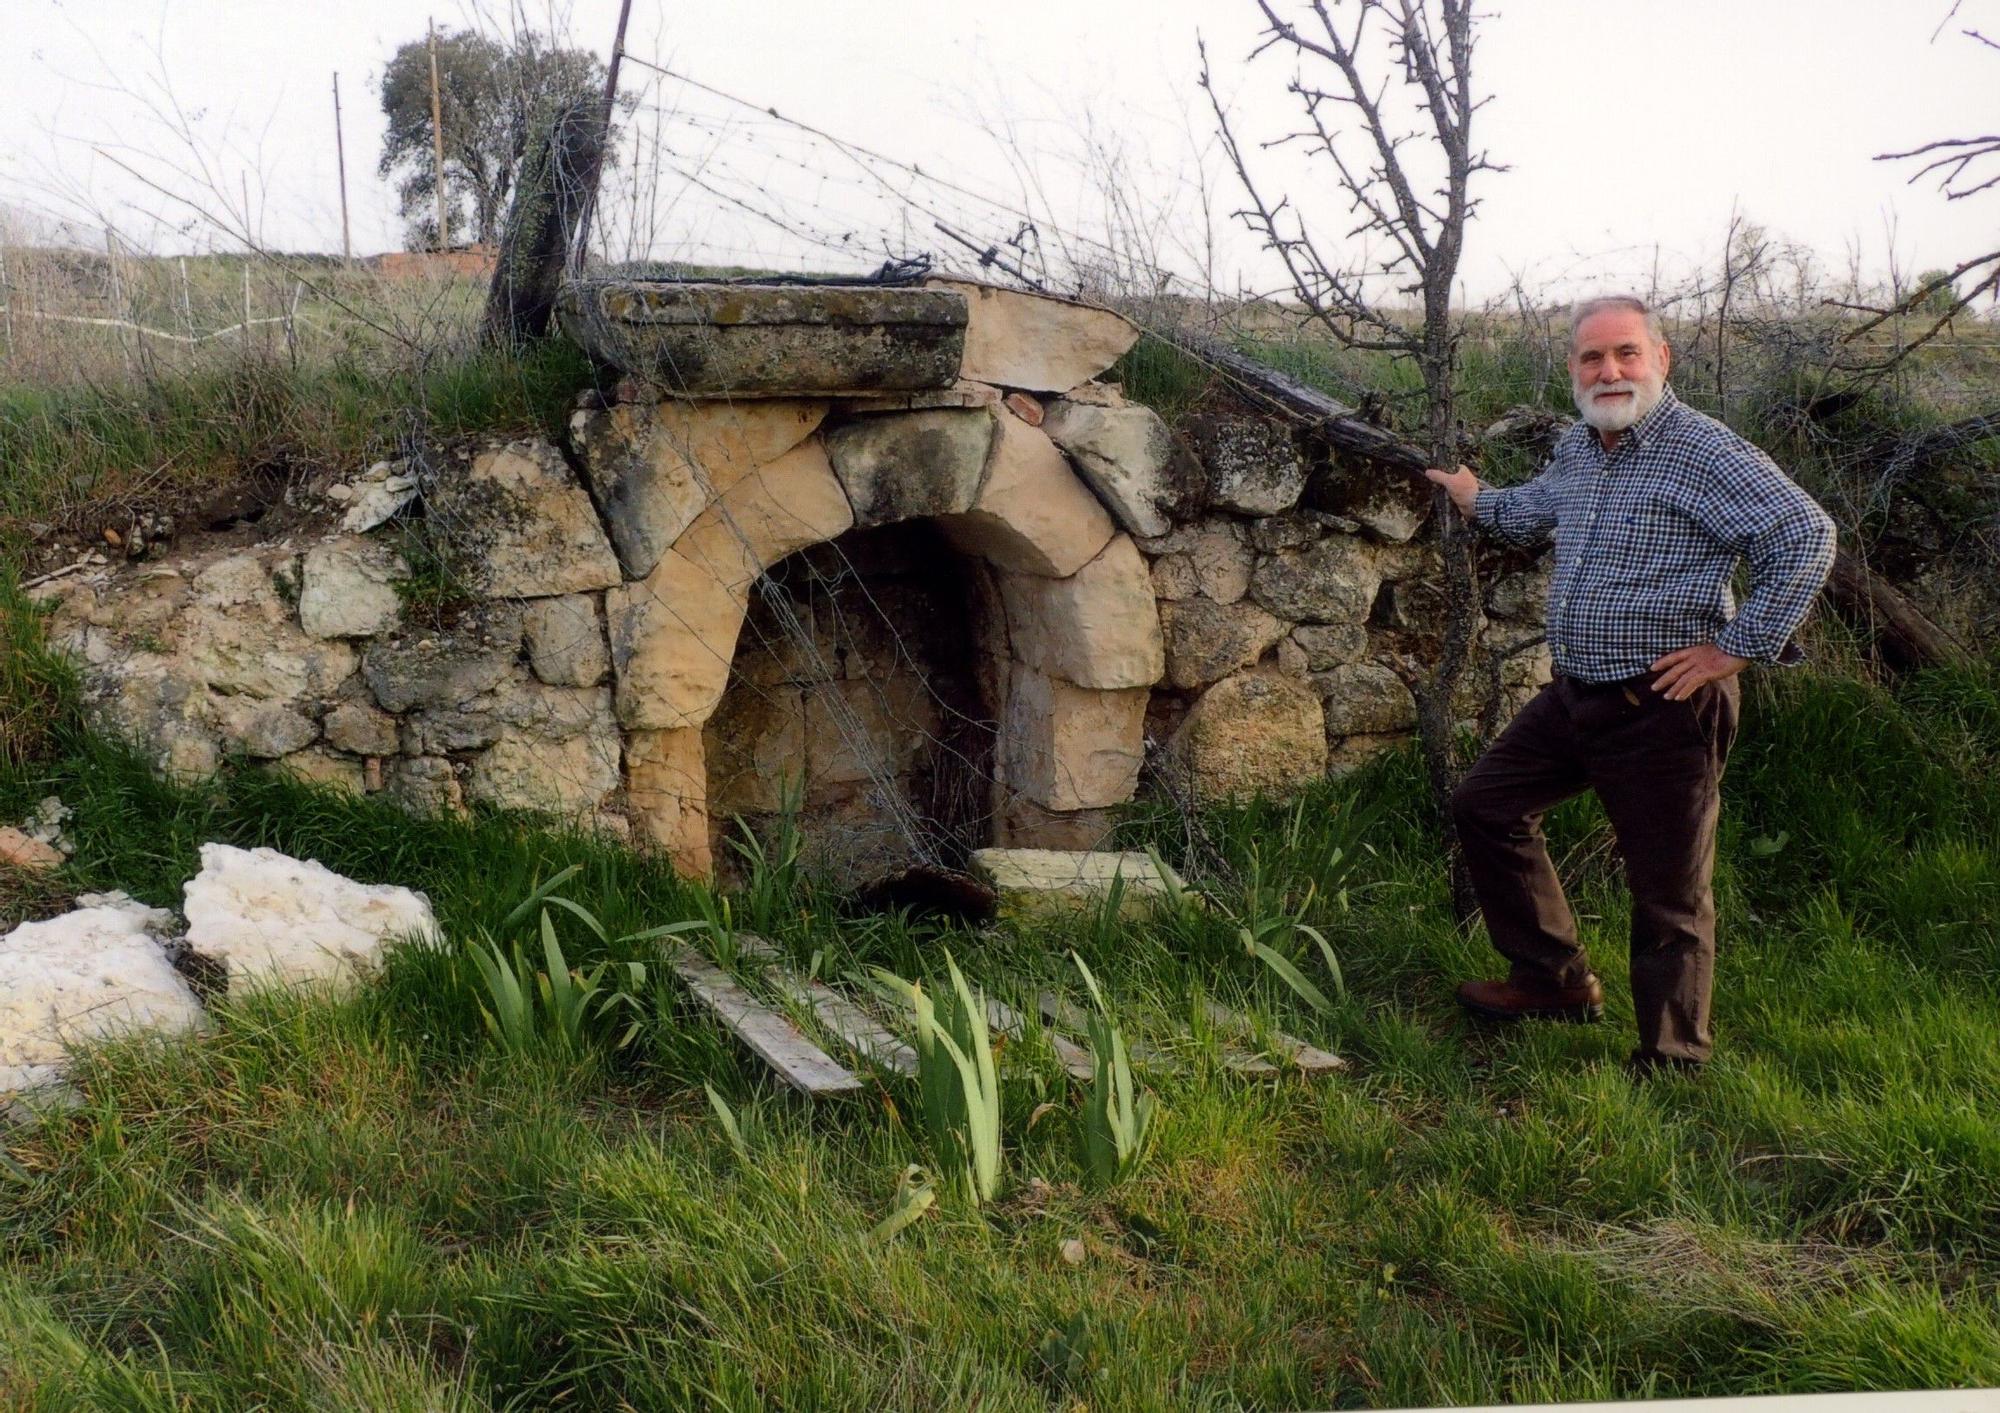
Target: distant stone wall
985	613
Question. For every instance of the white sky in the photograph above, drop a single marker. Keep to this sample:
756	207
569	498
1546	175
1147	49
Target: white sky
1628	127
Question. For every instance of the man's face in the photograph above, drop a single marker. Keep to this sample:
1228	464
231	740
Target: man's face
1617	370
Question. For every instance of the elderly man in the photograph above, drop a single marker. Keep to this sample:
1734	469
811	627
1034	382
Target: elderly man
1651	505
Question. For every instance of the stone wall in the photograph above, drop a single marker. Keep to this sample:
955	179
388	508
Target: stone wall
968	614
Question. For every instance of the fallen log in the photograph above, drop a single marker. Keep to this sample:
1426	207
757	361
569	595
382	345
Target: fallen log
1901	633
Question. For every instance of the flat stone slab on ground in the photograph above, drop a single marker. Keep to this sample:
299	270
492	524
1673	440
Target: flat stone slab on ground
1058	882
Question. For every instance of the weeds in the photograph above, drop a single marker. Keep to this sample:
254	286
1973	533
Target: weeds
1116	1128
957	1081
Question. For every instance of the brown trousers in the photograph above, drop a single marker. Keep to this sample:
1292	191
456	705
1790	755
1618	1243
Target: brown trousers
1657	767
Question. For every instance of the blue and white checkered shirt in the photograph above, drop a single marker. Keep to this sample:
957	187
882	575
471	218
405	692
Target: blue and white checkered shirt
1647	538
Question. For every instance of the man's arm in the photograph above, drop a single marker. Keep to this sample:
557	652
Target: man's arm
1759	512
1522	515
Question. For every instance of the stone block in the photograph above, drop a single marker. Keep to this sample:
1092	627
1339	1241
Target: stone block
567	778
1253	465
864	729
565	639
666	792
1071	748
1350	753
1100	627
1023	824
515	524
19	851
1138	468
316	766
1208	641
1257	733
1522	595
1363	698
1328	645
425	785
656	465
347	589
1014	339
1331	581
755	748
908	465
445	669
1058	883
1032	515
263	730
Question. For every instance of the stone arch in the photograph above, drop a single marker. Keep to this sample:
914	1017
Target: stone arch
1083	643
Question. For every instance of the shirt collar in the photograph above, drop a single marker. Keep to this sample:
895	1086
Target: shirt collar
1640	431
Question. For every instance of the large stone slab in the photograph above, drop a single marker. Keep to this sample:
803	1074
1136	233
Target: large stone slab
444	669
516	524
97	972
1210	557
907	465
706	340
565	638
1256	733
1130	459
655	466
1072	748
1034	883
1365	698
1032	514
1100	627
673	635
1014	339
570	778
273	920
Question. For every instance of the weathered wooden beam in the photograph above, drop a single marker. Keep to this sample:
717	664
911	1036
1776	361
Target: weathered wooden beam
1292	1050
1075	1059
1058	1011
856	1027
770	1036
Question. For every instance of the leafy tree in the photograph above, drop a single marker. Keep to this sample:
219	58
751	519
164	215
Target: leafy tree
492	98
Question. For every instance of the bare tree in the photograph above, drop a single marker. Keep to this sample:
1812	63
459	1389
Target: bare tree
1385	90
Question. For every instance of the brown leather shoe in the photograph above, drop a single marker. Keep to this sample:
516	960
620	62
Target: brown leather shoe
1527	1000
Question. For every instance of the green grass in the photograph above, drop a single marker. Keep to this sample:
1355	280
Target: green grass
370	1204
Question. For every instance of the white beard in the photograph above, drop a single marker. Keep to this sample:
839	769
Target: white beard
1619	414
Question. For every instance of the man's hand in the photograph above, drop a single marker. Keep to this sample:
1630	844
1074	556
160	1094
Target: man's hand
1683	672
1461	485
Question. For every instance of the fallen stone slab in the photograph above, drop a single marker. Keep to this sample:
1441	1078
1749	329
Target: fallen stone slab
18	850
90	974
1014	339
273	920
1060	882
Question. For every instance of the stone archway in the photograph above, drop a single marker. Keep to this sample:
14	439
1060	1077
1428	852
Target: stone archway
722	501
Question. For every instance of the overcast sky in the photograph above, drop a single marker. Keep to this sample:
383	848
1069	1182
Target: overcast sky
1632	131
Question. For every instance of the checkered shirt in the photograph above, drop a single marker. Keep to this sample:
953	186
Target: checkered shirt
1647	539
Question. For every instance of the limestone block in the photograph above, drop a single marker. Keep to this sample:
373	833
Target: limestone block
1023	824
1208	641
1520	595
1363	698
755	747
1137	467
1257	733
568	778
316	766
96	972
666	790
445	669
347	589
1253	464
356	726
1032	515
655	466
1350	753
907	465
1292	658
1019	340
1328	645
518	525
566	641
263	730
1392	507
1100	627
426	785
673	636
237	636
17	850
1332	581
272	920
1174	577
1057	883
1072	748
1213	553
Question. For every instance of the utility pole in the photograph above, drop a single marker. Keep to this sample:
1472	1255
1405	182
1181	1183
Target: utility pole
340	151
437	143
610	101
